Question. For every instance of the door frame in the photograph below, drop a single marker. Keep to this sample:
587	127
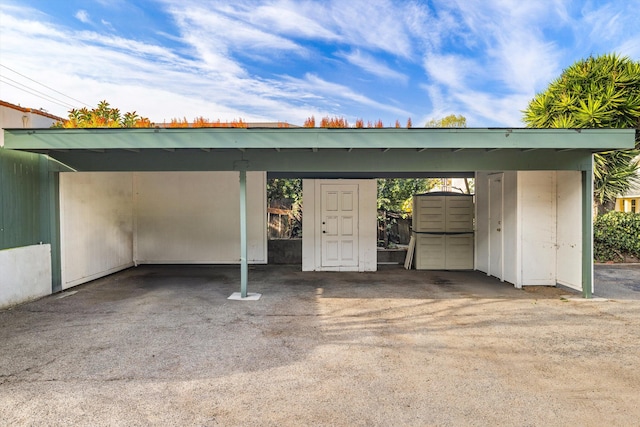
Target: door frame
312	224
339	187
492	178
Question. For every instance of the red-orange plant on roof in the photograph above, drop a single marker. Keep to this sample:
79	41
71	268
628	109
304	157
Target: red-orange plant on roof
310	122
397	124
409	124
178	123
239	124
334	122
359	124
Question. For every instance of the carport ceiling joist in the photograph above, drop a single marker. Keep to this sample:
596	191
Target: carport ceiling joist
313	150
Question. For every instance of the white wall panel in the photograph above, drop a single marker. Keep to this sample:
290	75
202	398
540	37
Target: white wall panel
194	217
309	225
511	228
482	222
96	225
537	200
19	284
368	191
569	229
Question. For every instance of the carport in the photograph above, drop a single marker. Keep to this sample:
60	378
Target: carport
526	163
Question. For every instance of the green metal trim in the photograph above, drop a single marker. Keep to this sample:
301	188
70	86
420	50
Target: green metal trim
327	160
244	266
587	233
417	138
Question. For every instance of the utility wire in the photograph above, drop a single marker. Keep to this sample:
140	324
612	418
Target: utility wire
53	100
43	85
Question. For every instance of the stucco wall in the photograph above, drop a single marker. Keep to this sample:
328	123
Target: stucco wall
26	274
194	217
12	118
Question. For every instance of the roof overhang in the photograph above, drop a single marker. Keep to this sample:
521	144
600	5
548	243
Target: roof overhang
321	152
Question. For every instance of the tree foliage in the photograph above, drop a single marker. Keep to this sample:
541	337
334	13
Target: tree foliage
103	116
395	194
283	188
597	92
450	121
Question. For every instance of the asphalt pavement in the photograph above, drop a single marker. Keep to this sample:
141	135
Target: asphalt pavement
617	281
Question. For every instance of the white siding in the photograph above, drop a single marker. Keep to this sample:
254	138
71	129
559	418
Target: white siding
367	224
96	225
537	202
511	228
482	222
569	229
194	217
26	274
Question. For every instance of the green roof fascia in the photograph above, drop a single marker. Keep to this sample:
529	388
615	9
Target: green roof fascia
282	138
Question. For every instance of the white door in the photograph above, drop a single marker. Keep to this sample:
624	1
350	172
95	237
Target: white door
495	226
339	228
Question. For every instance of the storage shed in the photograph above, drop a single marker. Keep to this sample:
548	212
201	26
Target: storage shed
154	195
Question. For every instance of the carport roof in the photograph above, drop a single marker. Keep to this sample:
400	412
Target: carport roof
312	151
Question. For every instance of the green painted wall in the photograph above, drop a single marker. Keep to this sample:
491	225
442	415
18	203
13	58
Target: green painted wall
29	214
20	199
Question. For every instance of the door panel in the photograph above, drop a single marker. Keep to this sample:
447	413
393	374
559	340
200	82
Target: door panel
339	207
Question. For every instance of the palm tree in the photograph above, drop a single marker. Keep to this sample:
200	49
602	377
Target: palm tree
597	92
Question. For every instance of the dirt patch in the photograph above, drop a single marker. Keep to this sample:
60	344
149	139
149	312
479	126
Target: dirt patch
343	349
549	291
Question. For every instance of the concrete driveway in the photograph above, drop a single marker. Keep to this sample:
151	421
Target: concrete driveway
164	346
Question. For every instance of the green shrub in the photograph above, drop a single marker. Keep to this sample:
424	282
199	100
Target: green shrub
616	234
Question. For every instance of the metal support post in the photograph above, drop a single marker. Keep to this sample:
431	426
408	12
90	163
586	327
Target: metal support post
244	267
587	232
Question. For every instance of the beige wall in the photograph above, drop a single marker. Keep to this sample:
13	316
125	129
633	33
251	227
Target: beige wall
112	220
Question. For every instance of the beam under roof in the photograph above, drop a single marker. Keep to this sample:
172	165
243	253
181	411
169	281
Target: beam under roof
316	138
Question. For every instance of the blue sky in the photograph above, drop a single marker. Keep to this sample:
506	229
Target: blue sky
286	60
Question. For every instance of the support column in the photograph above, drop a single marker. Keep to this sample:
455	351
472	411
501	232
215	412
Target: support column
243	295
50	218
244	266
587	232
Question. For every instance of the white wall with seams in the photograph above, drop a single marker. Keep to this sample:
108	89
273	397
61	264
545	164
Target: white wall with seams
96	225
19	284
312	227
542	227
110	221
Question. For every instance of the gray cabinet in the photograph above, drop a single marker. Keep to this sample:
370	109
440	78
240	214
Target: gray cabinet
443	228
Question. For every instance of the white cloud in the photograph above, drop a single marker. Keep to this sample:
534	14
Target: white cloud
83	16
371	65
449	70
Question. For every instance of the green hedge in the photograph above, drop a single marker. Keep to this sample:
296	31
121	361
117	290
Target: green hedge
616	234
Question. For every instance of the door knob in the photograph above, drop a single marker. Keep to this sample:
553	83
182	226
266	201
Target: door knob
498	229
